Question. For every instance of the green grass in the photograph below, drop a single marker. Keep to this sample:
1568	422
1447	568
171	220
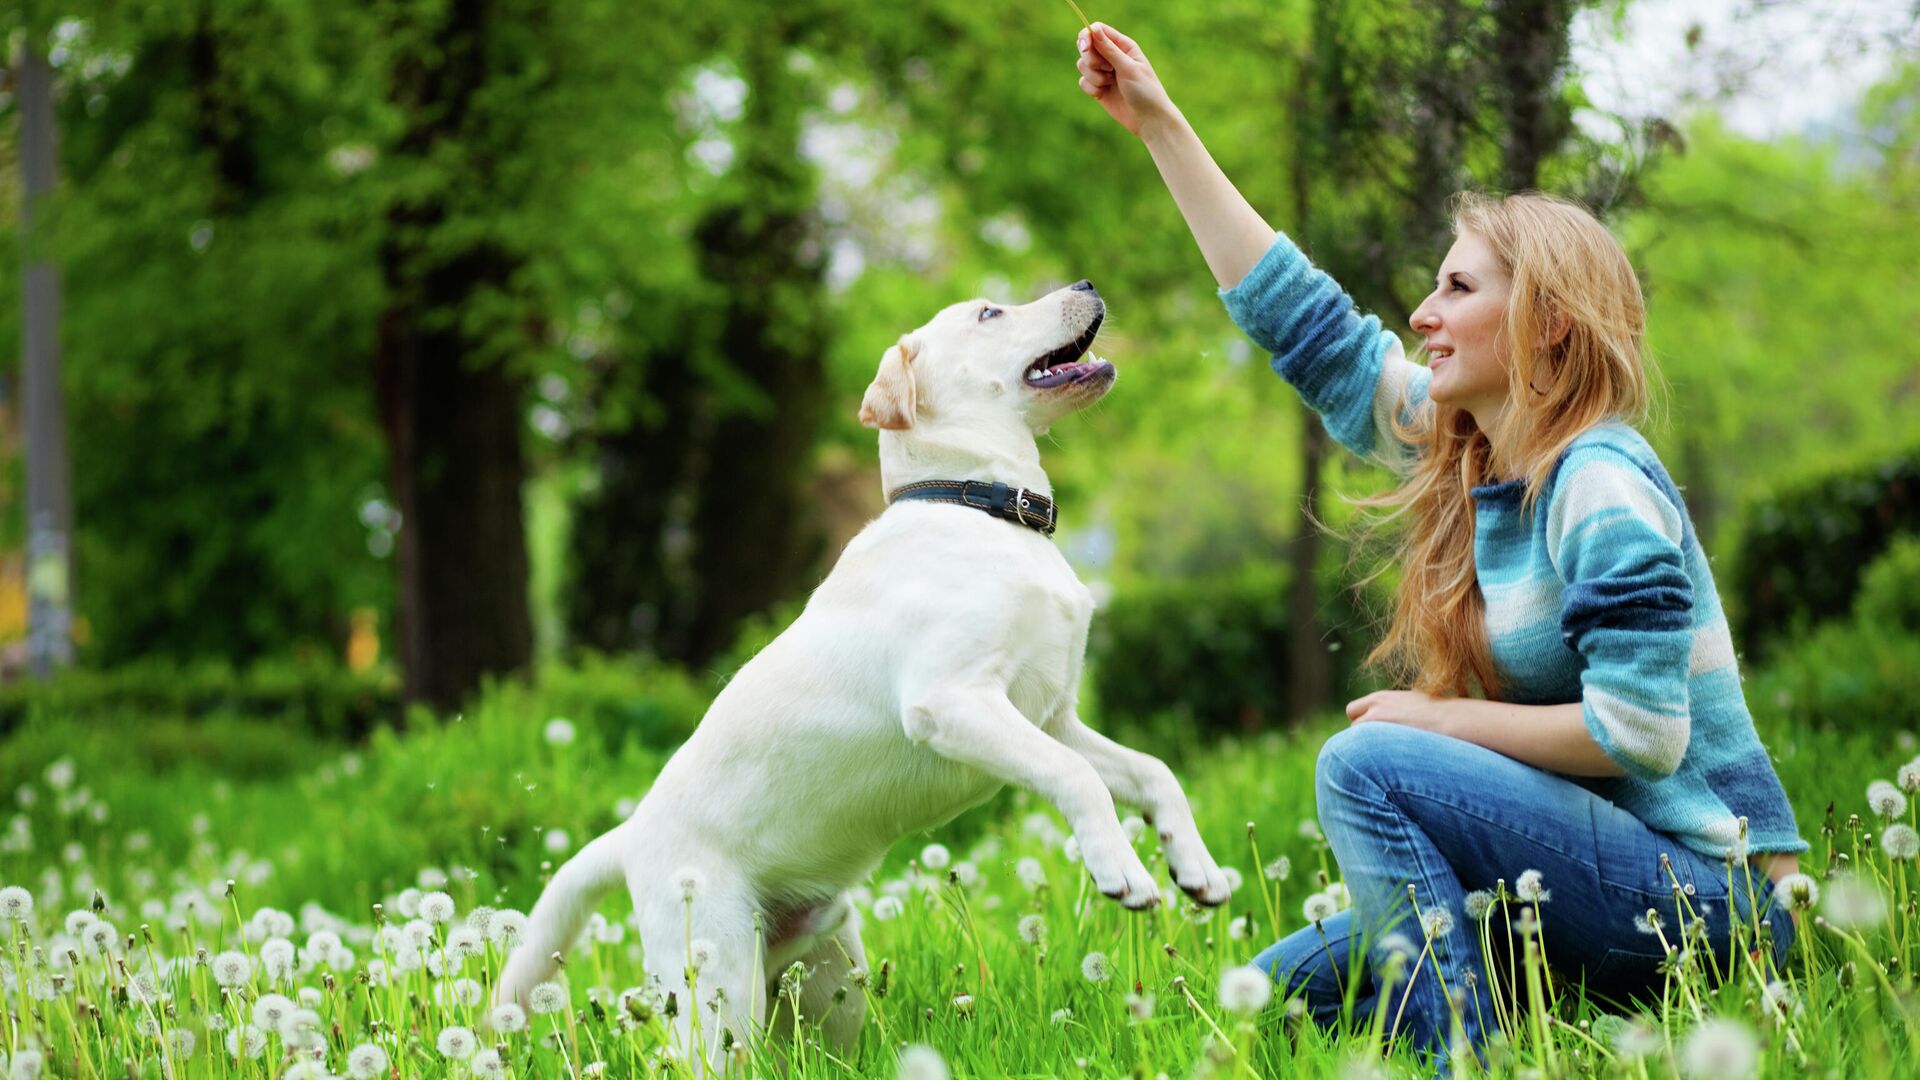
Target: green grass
471	805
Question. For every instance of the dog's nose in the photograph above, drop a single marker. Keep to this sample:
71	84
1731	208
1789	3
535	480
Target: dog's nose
1083	285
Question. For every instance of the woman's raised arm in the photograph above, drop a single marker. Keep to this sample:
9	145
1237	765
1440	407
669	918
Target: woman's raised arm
1231	234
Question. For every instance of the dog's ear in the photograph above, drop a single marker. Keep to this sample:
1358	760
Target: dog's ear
891	400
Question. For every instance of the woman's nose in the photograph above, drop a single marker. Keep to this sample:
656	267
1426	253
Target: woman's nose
1423	320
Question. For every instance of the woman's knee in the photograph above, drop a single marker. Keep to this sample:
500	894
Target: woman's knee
1366	758
1310	960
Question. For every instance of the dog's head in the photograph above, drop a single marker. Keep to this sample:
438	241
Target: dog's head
979	360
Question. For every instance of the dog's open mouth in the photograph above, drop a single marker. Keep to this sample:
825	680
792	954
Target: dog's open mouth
1070	363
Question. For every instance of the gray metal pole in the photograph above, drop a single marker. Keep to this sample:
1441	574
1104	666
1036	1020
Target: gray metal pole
49	495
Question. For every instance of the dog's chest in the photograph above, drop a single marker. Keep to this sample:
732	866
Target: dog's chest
1051	648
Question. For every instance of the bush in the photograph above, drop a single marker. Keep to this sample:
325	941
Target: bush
1852	676
1212	651
1803	548
1890	589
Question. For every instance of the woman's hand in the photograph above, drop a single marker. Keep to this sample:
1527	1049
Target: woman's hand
1409	707
1114	72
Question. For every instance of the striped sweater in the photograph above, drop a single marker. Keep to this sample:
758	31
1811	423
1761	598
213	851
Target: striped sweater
1602	595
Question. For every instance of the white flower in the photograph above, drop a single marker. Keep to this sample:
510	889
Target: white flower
1396	948
271	1010
77	921
701	953
232	968
27	1065
60	774
1527	887
102	938
935	857
487	1065
1279	869
963	1004
1720	1049
1636	1039
16	903
366	1061
1030	872
408	902
1337	890
1095	967
557	842
1133	825
1437	922
465	941
1797	892
1886	799
506	928
1245	990
1140	1007
1234	878
690	881
1239	928
418	934
1070	849
1061	1017
1907	778
1310	830
507	1017
302	1030
559	731
1782	1003
1319	907
1479	902
276	958
968	874
1900	841
456	1042
887	908
547	997
246	1042
183	1042
436	907
921	1062
1853	903
1033	930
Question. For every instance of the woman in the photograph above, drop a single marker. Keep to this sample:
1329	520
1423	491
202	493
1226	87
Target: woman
1550	561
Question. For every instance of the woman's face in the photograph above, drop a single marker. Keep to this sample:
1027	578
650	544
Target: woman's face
1461	321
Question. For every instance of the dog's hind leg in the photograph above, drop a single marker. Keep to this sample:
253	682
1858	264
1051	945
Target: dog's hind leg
718	998
828	996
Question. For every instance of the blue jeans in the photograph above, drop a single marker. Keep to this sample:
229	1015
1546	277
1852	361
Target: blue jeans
1403	806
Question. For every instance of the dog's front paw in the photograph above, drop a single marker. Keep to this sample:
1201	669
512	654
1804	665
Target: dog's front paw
1118	872
1208	886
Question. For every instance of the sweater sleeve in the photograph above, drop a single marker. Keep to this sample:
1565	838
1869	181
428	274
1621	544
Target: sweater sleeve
1346	368
1616	538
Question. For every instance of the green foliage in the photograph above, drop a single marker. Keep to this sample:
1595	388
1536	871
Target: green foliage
1211	653
1804	547
1851	675
1889	596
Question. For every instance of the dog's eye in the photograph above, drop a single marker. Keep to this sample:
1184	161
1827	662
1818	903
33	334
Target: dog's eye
988	313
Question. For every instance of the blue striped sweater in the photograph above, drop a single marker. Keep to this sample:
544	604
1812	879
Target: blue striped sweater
1605	598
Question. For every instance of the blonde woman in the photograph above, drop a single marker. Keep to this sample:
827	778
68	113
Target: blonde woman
1607	766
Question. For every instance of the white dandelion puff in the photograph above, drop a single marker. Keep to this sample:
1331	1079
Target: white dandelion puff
922	1062
1134	826
246	1042
1239	929
1319	907
690	882
276	959
1033	930
270	1010
77	921
1479	902
302	1030
1886	800
183	1042
507	1017
16	903
1527	887
506	928
701	953
559	732
935	857
1899	841
1907	777
101	938
1797	892
1095	967
1853	904
1310	830
1337	891
1140	1007
1396	948
465	941
232	968
487	1065
366	1061
1437	922
1061	1017
1030	872
1244	991
456	1042
436	907
887	908
1279	869
1720	1049
546	998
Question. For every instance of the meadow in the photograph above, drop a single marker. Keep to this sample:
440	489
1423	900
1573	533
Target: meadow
346	918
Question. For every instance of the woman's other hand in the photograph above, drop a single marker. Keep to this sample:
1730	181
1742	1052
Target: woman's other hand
1409	707
1114	72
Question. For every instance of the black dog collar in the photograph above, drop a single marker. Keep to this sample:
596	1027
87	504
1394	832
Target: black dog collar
1018	505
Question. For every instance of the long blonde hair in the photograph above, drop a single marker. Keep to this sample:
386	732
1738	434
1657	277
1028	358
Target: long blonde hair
1566	271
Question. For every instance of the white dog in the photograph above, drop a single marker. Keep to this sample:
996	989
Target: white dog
937	662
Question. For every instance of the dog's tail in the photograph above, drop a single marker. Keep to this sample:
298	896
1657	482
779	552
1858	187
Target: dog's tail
559	914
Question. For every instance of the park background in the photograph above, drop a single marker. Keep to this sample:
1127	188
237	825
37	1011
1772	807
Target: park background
436	370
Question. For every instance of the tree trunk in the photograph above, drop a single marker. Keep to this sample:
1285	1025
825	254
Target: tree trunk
1529	49
453	426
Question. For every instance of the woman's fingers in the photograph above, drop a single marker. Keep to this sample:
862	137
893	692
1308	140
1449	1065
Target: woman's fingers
1110	50
1092	67
1132	48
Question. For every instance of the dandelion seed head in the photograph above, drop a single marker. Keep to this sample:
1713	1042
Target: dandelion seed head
1900	841
506	928
1030	872
691	882
302	1029
232	968
963	1004
507	1017
1907	777
1720	1049
547	998
1239	929
183	1042
1234	878
1528	887
1337	890
1070	849
101	938
1095	967
1886	800
1853	903
276	958
1061	1017
1279	869
16	903
1140	1007
1797	892
437	907
922	1062
246	1042
487	1065
456	1042
1244	991
559	732
1436	922
78	920
270	1010
1319	907
1310	830
701	953
1479	902
935	857
366	1061
887	908
1396	948
1033	930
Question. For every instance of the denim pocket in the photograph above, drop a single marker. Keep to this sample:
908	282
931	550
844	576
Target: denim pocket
1625	973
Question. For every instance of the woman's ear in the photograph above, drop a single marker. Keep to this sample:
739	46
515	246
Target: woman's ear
892	398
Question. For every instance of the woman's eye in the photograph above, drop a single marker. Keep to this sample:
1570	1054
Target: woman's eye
1457	286
988	313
